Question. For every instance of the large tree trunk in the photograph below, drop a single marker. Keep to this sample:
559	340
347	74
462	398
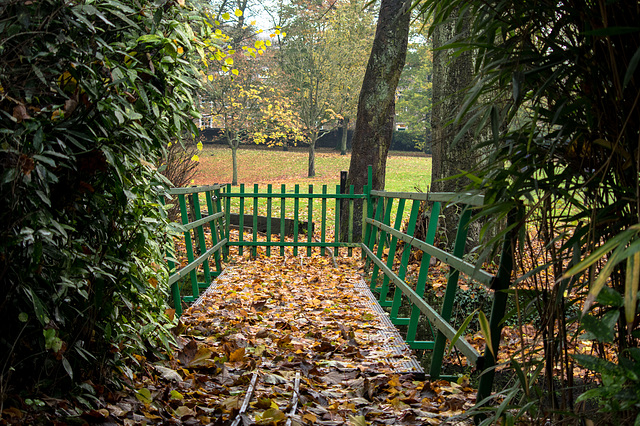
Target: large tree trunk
376	105
312	154
451	76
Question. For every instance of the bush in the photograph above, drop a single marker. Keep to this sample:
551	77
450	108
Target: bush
87	104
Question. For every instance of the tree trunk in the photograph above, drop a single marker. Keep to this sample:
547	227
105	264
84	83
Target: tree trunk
312	154
233	144
376	105
345	133
451	76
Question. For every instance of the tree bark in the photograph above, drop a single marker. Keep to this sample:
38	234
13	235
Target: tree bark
376	104
233	144
345	133
451	76
312	155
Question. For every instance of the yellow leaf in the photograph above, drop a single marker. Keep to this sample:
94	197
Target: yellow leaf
195	158
252	22
210	78
238	13
277	32
268	42
226	16
284	34
237	355
180	50
199	145
228	61
310	417
234	71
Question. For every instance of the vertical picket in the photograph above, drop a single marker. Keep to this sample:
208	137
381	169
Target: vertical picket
227	218
397	295
188	244
254	250
373	234
392	254
386	219
213	227
423	274
269	202
450	292
283	190
350	227
310	220
323	225
195	200
296	206
241	221
336	235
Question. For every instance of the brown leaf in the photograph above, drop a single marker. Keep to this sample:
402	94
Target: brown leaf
20	113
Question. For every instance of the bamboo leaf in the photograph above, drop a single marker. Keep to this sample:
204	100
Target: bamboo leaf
486	333
460	331
631	287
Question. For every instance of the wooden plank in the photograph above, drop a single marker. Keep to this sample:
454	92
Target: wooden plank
194	189
444	197
207	219
192	265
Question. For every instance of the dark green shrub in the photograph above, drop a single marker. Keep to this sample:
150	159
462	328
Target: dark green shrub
90	95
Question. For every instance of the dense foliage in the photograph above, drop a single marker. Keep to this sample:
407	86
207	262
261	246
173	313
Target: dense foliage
558	85
90	94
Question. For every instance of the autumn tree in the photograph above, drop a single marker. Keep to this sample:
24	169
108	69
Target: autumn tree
349	38
376	104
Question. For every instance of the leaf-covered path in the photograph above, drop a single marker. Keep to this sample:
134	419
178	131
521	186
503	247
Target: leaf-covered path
290	341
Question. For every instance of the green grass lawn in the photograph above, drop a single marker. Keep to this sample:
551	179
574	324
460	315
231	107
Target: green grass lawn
276	167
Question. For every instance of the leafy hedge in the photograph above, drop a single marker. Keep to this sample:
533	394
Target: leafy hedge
91	92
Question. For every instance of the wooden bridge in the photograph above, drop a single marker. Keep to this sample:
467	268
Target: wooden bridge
363	316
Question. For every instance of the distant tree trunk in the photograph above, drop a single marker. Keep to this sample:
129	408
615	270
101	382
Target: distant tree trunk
312	154
451	76
233	143
345	133
376	105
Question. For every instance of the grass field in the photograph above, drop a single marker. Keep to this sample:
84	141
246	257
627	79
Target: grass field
273	166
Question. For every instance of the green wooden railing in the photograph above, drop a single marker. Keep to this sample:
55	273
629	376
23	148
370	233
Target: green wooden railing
303	209
193	225
380	234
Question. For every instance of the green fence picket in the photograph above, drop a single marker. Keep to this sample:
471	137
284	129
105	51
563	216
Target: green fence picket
254	251
269	202
310	220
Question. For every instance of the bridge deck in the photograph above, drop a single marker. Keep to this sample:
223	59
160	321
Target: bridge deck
297	341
